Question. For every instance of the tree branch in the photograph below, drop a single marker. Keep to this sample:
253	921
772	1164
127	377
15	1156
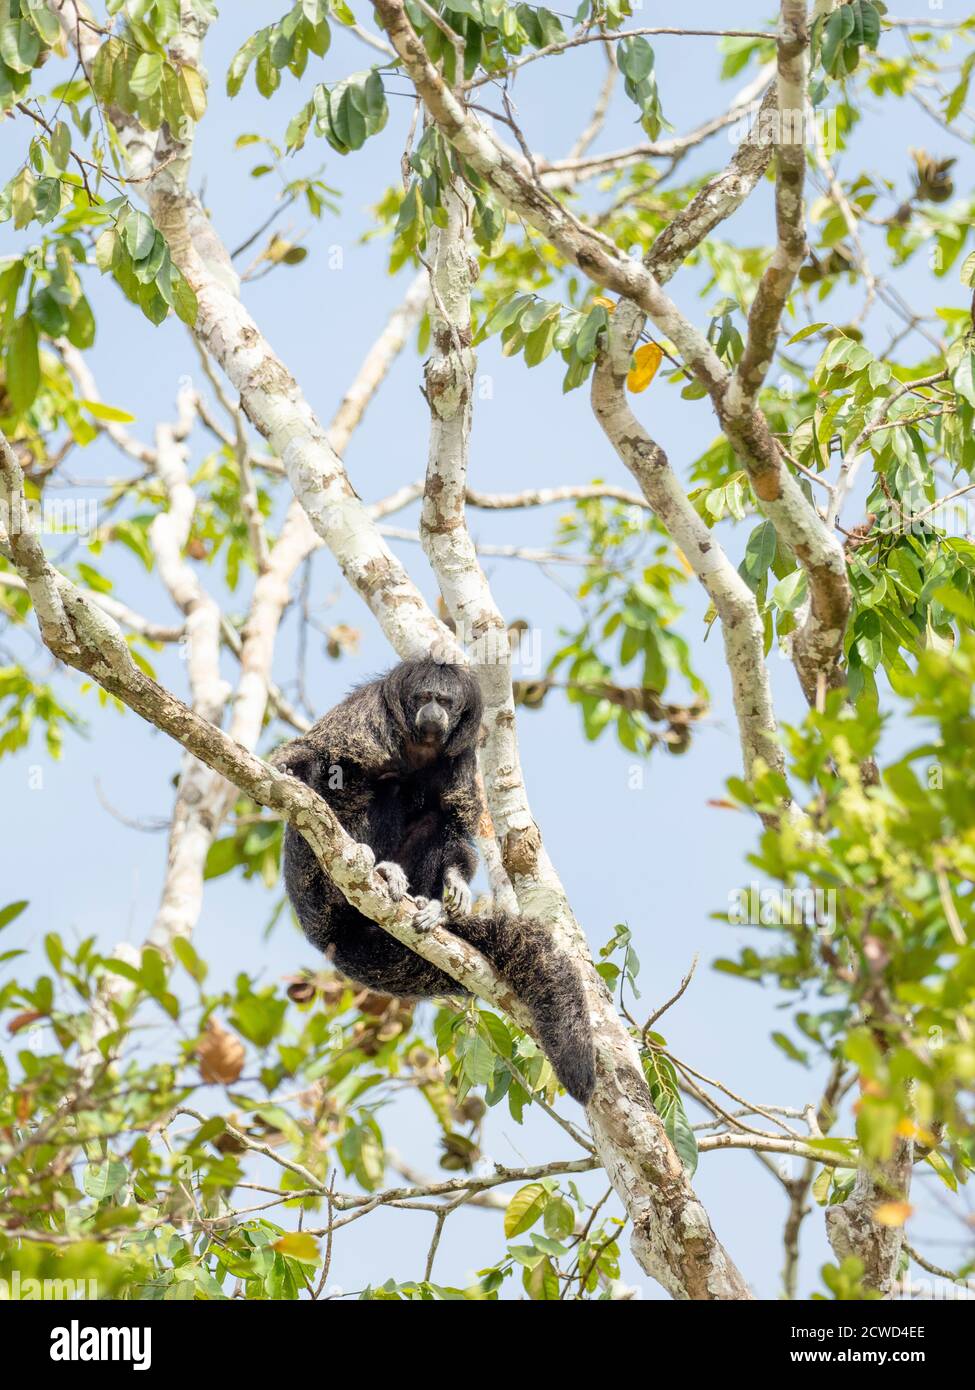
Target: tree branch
672	1237
818	645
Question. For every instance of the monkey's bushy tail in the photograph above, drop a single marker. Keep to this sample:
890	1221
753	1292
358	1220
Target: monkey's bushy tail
547	981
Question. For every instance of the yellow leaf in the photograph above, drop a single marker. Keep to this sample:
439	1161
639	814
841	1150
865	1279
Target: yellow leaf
299	1245
646	360
907	1129
892	1213
276	249
608	304
682	559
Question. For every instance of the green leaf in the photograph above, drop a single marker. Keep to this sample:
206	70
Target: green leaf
679	1130
941	1166
807	332
958	604
266	74
496	1031
869	23
635	59
963	377
503	315
542	1282
22	194
477	1060
760	550
184	299
560	1219
148	267
103	70
11	912
81	324
864	1053
524	1209
242	60
23	368
61	145
790	592
103	1180
585	343
347	120
44	22
47	200
153	304
222	856
105	249
20	44
783	1041
188	959
839	27
147	74
140	235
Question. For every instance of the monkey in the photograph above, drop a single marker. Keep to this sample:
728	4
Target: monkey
396	761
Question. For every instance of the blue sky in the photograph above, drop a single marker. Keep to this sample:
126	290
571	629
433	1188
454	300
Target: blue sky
85	872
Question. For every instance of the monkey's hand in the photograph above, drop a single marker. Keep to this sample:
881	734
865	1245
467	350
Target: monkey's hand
430	913
457	897
396	880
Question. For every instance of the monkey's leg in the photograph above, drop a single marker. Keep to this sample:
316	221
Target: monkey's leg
457	897
457	901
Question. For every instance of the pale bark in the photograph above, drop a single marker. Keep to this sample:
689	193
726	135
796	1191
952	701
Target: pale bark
191	830
817	647
741	624
720	197
765	315
852	1226
672	1237
735	604
546	496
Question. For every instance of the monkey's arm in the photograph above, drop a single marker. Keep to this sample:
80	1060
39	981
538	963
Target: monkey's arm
348	793
461	810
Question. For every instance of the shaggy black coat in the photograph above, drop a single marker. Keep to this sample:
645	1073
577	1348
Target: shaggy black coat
411	794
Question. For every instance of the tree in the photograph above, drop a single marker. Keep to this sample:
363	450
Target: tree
866	900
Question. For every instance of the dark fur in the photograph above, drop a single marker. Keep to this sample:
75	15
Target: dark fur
415	803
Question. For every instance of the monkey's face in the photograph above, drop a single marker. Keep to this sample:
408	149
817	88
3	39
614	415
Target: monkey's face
440	706
436	715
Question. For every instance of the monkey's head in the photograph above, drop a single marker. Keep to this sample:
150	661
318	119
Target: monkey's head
435	707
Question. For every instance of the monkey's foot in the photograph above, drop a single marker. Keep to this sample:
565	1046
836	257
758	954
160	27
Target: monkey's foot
429	914
457	897
396	881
